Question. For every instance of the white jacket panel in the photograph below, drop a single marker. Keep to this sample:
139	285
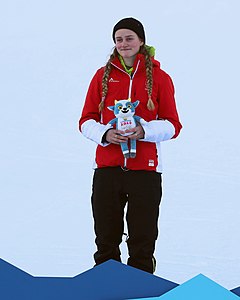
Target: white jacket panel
158	131
94	131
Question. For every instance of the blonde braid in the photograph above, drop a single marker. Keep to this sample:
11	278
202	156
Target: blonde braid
149	67
105	77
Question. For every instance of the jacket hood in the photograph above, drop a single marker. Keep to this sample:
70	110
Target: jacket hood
151	50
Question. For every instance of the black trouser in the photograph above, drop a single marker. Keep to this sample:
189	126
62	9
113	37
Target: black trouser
142	191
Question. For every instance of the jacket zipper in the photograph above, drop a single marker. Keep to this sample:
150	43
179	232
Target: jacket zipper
131	77
129	96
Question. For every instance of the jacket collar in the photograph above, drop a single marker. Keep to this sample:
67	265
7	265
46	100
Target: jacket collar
139	61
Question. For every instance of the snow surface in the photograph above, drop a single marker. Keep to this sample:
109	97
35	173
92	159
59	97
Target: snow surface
49	51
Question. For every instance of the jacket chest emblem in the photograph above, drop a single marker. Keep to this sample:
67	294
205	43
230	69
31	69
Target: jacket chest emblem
113	80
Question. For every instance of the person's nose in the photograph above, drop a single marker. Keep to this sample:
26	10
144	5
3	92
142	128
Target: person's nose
124	43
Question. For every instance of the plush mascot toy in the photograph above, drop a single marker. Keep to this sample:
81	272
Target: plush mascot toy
124	111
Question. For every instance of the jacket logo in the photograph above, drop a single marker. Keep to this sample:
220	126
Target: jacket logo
151	163
113	80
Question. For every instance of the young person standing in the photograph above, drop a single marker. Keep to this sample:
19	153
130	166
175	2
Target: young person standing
130	73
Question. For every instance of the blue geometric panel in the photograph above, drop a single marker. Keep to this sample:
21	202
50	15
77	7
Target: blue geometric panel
236	291
13	282
198	288
114	280
111	280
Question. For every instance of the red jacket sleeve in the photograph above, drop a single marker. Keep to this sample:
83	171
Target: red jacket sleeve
93	98
167	104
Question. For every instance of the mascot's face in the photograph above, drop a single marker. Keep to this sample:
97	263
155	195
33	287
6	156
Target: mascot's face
124	108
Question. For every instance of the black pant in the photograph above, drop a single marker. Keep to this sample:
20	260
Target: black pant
142	191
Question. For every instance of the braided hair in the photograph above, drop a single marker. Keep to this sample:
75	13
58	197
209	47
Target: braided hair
149	70
105	77
148	64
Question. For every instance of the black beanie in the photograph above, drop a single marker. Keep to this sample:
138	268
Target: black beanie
132	24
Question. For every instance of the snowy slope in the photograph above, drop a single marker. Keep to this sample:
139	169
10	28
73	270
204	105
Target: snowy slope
48	54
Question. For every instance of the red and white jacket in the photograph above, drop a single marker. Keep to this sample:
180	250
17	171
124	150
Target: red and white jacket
161	124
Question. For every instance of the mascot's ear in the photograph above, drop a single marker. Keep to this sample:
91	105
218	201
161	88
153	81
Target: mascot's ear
111	108
115	102
135	104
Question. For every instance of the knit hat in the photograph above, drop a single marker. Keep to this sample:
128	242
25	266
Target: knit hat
132	24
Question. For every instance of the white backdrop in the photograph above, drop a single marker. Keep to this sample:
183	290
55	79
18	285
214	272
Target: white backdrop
49	50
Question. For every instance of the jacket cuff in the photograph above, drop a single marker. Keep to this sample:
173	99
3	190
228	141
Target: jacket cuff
158	131
95	131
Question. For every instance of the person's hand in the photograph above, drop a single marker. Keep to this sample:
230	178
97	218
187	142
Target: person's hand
136	133
114	136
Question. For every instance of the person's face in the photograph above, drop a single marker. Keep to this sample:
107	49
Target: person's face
127	43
